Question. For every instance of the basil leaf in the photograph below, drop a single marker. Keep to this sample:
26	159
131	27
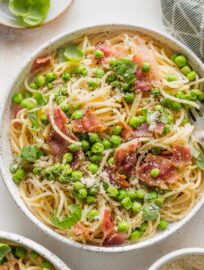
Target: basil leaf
195	152
29	153
4	250
29	13
200	163
69	221
198	154
60	55
72	52
16	163
34	120
150	212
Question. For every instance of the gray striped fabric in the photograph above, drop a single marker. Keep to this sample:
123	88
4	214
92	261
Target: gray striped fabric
184	19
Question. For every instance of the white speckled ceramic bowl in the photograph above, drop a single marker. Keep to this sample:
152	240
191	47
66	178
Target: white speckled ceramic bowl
177	254
27	243
5	149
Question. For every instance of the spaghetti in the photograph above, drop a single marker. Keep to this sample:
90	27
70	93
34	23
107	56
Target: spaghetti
104	151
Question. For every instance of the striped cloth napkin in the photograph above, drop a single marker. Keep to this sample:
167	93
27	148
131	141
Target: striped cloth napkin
184	19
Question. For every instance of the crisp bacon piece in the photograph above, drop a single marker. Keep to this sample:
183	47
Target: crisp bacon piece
107	224
79	229
41	62
58	145
106	49
181	156
15	109
117	178
159	128
127	132
167	174
88	123
143	131
125	158
115	239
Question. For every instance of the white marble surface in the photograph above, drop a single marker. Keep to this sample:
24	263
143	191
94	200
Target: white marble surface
15	46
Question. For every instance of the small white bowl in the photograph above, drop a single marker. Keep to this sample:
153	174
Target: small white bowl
5	148
56	9
42	251
177	254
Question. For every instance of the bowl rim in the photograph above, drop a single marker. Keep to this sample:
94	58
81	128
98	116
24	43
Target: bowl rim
179	253
41	250
18	201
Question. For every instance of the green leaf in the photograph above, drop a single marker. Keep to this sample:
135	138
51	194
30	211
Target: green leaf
29	153
16	163
34	120
29	12
4	250
150	212
198	154
72	52
200	163
195	152
69	221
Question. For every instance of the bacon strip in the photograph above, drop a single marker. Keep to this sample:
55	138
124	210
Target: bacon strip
115	239
107	224
41	62
88	124
127	132
143	131
167	174
181	156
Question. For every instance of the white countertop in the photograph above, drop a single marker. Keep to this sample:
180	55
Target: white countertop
15	46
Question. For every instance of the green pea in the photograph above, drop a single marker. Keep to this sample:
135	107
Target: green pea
65	107
81	70
171	78
93	84
92	214
19	175
111	78
140	193
152	195
28	104
185	70
191	76
143	226
163	225
134	122
74	147
46	265
85	145
77	175
167	129
155	172
135	235
78	185
20	252
116	130
146	67
127	203
99	73
123	226
49	85
96	159
155	150
180	94
66	76
106	144
159	201
77	115
37	170
17	98
180	61
67	158
176	106
111	161
165	102
173	56
50	76
97	148
93	137
90	199
93	168
136	207
40	80
93	191
122	194
60	99
129	97
44	119
115	140
201	97
82	194
132	194
156	92
112	192
45	100
33	86
99	54
116	84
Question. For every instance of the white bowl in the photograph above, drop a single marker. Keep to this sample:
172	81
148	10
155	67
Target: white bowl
176	255
42	251
5	149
